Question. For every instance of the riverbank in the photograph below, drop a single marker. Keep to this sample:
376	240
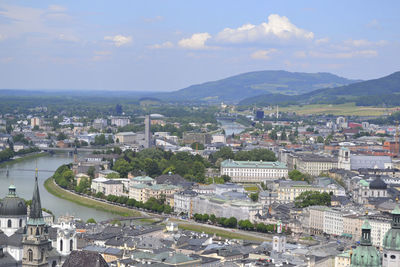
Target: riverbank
24	157
59	192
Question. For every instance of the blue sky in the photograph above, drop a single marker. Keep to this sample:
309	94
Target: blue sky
167	45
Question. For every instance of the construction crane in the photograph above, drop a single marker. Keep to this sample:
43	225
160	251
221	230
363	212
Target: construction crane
397	139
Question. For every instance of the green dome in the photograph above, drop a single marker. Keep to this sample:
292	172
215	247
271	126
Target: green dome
366	256
391	240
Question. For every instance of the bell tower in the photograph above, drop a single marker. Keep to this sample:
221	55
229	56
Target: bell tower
36	243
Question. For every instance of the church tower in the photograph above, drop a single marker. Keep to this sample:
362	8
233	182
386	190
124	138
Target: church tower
365	255
391	241
344	159
279	240
36	243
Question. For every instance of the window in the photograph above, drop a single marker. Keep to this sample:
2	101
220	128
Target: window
54	264
71	245
20	222
61	245
41	255
392	257
30	255
9	223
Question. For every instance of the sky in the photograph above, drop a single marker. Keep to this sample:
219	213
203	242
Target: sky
167	45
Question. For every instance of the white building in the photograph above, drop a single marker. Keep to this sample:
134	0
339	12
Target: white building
253	171
13	212
333	222
183	202
66	238
218	138
120	121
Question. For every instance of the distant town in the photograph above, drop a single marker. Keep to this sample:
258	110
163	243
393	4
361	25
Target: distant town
218	185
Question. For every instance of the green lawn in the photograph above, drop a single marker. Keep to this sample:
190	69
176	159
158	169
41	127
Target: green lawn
53	189
251	188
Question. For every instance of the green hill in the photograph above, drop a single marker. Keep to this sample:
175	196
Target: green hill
236	88
382	91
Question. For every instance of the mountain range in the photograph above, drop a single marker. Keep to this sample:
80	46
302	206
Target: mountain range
381	91
251	84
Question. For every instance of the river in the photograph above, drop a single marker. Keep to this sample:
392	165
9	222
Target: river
231	127
24	181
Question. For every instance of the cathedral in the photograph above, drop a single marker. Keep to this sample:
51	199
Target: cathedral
366	255
25	239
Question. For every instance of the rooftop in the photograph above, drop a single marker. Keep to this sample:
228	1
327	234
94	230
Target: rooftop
253	164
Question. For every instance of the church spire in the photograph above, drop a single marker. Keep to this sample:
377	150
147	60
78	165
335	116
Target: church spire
35	214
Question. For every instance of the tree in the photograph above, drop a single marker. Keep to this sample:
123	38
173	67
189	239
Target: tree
205	217
198	171
296	175
151	167
226	178
91	172
283	136
320	139
231	222
213	219
254	197
61	136
91	220
246	225
112	175
122	166
100	140
311	198
83	185
224	153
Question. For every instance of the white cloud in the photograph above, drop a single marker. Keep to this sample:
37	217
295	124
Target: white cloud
68	38
196	41
374	24
119	40
363	42
322	41
263	54
343	55
300	54
102	53
277	28
153	19
161	46
57	8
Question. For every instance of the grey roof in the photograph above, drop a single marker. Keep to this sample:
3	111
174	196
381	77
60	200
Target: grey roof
378	183
363	161
174	179
8	261
15	239
12	205
3	238
84	258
